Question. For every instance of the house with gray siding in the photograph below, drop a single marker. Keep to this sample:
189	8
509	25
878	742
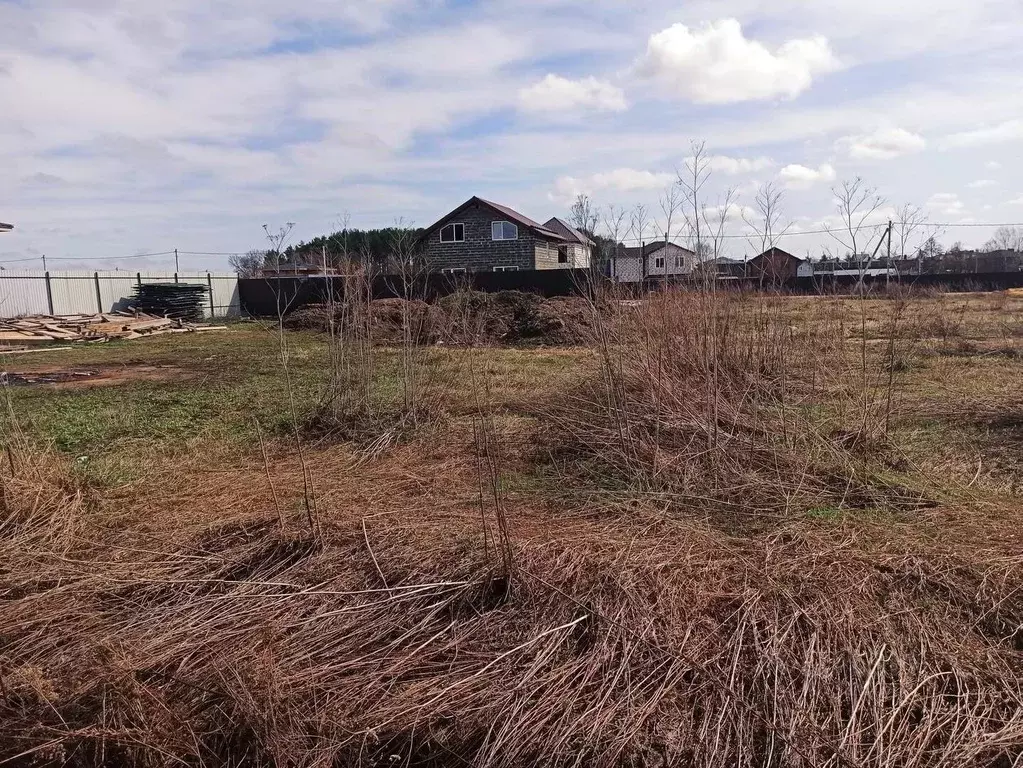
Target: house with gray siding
482	236
656	259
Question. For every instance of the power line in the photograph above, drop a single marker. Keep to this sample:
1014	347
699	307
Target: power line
833	230
90	258
637	240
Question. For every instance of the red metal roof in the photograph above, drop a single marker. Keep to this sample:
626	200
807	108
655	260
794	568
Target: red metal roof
503	210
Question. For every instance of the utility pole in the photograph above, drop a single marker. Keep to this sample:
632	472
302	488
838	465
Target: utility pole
888	266
44	262
176	270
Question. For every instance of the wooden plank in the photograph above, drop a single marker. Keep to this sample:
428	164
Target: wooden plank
27	351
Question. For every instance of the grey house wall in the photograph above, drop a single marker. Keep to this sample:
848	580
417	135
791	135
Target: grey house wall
480	252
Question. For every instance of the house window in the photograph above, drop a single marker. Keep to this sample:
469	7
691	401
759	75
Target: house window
453	271
504	230
563	255
506	269
452	233
659	262
680	262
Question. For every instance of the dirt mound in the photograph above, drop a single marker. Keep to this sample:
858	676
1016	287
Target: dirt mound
387	320
506	317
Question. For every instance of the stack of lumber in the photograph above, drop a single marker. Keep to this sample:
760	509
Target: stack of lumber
181	300
36	330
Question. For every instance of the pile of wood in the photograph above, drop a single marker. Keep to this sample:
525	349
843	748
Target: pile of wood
43	330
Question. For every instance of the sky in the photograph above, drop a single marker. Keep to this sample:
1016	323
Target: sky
132	128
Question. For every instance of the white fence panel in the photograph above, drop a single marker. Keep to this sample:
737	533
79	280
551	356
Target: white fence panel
73	293
116	289
226	299
67	293
23	293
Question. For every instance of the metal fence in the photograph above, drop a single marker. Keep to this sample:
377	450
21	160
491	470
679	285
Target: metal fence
69	293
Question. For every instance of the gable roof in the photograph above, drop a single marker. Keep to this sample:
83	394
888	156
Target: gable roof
567	231
653	247
776	251
500	210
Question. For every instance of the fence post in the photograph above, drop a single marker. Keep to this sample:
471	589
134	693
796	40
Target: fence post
99	295
138	277
209	281
49	293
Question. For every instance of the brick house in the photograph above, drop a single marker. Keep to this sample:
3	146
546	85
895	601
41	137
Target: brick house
481	236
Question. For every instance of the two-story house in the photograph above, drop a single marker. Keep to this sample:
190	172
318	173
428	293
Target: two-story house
483	236
656	259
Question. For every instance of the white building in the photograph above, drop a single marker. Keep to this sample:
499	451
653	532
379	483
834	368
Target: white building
656	259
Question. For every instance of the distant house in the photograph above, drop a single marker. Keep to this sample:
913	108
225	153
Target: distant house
297	270
723	268
577	253
774	266
482	236
656	259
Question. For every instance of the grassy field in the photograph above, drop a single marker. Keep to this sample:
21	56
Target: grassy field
193	576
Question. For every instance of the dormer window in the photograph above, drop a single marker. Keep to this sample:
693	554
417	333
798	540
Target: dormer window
504	230
452	233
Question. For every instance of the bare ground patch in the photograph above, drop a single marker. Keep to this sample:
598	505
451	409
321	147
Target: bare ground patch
80	377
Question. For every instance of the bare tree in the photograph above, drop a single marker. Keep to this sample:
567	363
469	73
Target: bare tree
639	223
855	203
765	218
248	264
691	179
1006	239
910	223
584	214
715	220
614	225
671	201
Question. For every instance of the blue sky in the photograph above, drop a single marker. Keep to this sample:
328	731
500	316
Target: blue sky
130	128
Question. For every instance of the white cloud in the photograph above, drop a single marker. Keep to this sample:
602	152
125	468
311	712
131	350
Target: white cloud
733	166
559	94
800	177
566	188
1017	201
717	64
1010	130
993	165
735	213
882	144
982	183
946	204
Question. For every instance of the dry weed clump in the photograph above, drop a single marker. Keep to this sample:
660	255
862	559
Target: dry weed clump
627	642
715	401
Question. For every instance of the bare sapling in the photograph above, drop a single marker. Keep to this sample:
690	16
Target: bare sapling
278	240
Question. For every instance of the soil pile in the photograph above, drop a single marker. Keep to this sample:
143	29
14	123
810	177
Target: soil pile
506	317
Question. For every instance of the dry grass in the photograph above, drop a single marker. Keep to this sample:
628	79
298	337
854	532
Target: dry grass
719	406
186	621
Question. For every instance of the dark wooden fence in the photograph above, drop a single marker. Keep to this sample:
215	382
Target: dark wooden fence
262	297
269	297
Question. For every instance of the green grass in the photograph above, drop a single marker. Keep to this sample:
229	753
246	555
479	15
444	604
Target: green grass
225	381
